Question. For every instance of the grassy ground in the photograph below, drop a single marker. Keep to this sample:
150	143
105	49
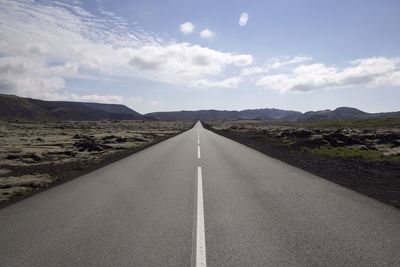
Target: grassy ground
367	123
343	152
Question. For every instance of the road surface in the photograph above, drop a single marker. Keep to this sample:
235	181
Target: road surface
199	199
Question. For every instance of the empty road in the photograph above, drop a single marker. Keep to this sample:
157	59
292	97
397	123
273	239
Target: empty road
199	199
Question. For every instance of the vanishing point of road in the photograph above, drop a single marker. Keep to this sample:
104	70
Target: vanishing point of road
199	199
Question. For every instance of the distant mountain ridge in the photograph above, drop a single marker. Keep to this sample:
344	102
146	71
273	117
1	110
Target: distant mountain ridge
248	114
341	113
20	108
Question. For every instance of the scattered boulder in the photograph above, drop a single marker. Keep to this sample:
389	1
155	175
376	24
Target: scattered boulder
297	133
388	138
311	143
13	156
108	137
78	136
138	139
121	140
89	143
338	139
396	143
114	139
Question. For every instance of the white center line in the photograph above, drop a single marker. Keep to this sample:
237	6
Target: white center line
198	151
200	233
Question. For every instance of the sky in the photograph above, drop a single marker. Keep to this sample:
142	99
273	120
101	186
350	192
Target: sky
189	55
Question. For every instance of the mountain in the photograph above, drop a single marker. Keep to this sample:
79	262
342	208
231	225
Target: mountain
270	114
249	114
342	113
20	108
113	108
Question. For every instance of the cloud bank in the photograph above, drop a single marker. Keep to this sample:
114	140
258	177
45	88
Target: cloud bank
369	72
48	42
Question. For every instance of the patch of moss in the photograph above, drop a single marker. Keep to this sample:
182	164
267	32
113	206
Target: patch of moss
364	123
345	152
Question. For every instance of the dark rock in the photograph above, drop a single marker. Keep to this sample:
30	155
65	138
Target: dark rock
338	139
138	139
90	144
121	140
13	156
77	136
108	137
33	156
297	133
387	138
30	157
311	143
396	143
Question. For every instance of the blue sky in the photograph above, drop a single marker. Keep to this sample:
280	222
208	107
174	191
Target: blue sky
174	55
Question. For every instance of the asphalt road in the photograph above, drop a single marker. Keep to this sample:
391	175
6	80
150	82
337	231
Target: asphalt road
196	199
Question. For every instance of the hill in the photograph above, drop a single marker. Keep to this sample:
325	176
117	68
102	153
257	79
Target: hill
342	113
20	108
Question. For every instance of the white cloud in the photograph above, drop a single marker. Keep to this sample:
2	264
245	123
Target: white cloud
182	63
273	64
244	18
232	82
207	34
253	71
187	27
368	72
279	62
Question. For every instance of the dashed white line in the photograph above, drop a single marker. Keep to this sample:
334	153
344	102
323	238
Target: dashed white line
200	233
198	152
